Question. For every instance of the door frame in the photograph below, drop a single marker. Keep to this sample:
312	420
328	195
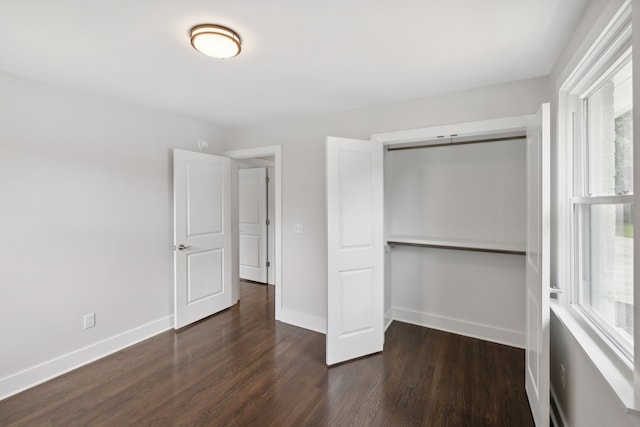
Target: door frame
276	152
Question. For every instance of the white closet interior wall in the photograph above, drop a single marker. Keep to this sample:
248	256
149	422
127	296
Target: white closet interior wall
474	192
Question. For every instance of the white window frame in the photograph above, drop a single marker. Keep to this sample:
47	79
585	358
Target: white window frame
609	50
581	199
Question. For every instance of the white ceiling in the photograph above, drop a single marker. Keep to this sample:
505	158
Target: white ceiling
299	58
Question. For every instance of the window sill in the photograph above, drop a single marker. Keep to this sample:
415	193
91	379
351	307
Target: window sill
614	368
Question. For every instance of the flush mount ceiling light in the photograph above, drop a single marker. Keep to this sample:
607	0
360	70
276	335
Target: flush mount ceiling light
215	40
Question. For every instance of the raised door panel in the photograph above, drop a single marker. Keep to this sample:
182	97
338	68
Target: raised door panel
356	200
357	301
204	212
205	274
250	251
249	187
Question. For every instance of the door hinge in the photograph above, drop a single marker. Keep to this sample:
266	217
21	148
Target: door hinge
268	264
267	179
268	222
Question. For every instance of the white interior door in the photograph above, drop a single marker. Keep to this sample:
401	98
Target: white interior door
355	318
252	193
202	235
537	269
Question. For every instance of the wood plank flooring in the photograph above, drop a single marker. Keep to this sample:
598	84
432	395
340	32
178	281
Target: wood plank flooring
242	368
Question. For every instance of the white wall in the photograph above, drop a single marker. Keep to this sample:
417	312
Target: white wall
467	192
587	400
470	293
86	220
303	168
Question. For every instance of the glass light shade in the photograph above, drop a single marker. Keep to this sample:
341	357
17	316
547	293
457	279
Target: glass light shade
215	41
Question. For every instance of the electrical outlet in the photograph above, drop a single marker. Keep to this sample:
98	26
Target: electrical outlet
89	320
297	228
563	376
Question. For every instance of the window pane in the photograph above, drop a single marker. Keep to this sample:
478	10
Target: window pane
610	135
607	265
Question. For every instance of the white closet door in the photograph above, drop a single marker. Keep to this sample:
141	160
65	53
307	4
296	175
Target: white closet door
202	235
355	322
252	194
537	269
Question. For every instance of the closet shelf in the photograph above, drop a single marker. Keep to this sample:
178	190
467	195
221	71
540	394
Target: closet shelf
512	248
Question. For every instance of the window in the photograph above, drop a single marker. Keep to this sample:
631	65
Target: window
602	202
595	206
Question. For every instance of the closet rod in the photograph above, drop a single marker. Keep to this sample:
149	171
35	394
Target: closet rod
458	248
443	144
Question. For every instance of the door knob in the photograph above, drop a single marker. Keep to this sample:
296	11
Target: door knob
183	247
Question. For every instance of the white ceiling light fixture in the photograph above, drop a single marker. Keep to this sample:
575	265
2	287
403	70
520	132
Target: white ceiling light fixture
215	41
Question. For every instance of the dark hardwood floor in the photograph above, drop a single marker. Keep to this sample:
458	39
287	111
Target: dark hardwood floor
240	367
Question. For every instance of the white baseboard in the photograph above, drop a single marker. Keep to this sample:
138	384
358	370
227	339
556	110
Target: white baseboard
38	374
303	320
388	318
316	323
460	327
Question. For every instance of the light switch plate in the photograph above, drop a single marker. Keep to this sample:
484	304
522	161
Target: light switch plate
89	320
